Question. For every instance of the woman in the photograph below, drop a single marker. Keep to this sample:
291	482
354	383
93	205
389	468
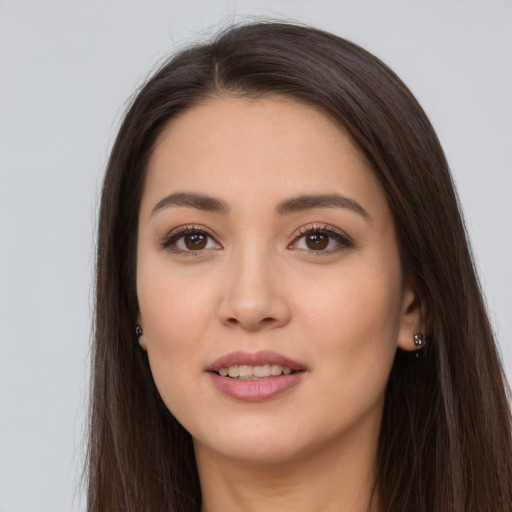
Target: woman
287	313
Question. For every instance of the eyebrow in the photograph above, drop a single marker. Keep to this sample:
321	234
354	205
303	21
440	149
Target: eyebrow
287	207
192	200
309	202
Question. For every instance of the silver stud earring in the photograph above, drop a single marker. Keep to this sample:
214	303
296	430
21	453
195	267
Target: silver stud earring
138	331
419	339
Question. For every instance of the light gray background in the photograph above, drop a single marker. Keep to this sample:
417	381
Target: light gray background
66	70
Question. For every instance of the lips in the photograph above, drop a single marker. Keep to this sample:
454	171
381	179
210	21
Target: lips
255	377
257	359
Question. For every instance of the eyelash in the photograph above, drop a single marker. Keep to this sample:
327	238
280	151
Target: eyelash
170	240
343	241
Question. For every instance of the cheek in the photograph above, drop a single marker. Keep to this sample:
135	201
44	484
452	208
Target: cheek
353	333
175	312
173	304
354	320
352	300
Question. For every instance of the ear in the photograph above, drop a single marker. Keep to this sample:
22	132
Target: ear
142	339
413	320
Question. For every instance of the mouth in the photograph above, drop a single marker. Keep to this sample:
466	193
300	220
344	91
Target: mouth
255	377
249	372
260	365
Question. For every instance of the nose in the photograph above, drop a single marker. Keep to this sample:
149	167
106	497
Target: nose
253	297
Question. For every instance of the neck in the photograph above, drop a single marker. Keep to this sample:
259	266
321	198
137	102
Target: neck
338	478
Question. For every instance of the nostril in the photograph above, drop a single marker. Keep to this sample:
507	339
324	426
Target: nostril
256	325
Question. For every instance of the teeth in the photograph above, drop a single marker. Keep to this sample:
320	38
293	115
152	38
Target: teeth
262	371
275	369
233	371
247	372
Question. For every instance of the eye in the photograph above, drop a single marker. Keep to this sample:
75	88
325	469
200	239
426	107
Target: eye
189	239
320	239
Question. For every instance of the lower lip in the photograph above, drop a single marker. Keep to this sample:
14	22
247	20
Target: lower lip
255	390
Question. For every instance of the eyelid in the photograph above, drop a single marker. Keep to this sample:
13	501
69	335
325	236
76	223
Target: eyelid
337	234
176	233
343	239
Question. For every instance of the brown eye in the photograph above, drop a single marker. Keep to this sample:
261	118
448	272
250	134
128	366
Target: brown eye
317	241
195	241
189	240
321	240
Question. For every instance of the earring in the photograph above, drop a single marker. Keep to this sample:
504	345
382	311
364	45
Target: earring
138	331
419	339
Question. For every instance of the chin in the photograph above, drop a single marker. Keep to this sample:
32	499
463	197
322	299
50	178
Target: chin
259	442
255	450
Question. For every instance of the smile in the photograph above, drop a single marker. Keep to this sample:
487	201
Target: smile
255	377
247	372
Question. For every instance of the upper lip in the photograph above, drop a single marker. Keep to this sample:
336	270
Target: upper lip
261	358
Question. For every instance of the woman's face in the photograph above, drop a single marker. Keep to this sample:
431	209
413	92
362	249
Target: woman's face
269	281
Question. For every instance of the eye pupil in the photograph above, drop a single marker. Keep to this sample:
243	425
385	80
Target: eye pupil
317	241
195	241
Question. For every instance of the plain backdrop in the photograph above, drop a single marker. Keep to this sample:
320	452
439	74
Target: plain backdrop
67	69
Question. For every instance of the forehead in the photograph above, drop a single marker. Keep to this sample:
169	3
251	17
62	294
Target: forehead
273	146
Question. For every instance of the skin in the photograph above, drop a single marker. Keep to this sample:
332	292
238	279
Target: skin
257	285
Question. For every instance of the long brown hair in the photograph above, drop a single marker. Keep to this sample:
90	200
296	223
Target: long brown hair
445	441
